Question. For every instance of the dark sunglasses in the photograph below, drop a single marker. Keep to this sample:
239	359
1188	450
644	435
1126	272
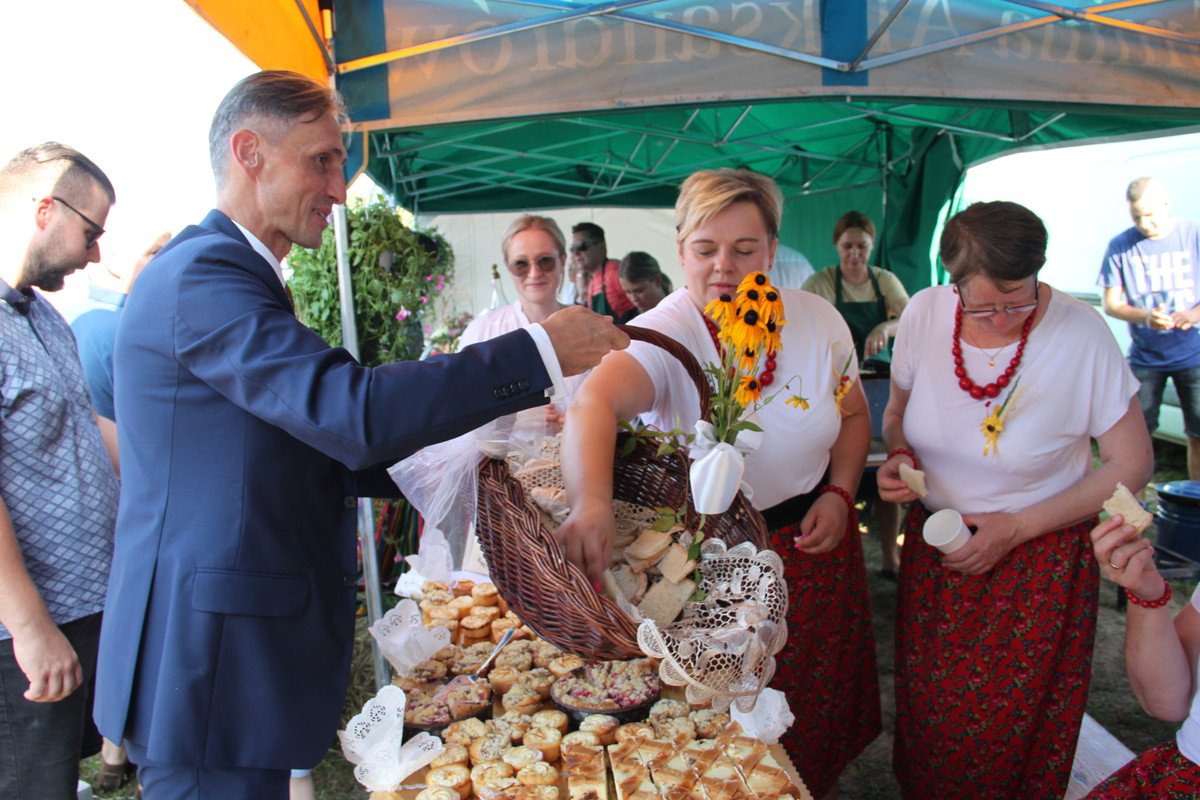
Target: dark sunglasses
96	232
582	247
543	264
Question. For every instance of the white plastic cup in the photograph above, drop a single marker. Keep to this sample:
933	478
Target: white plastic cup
946	530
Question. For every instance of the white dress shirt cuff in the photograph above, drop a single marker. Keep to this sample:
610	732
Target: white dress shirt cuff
557	391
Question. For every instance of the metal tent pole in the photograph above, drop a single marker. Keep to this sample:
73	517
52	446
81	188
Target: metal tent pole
366	520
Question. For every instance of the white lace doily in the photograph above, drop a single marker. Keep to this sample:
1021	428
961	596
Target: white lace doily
374	742
404	641
723	648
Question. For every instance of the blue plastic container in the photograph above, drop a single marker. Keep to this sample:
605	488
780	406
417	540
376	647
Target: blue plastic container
1178	520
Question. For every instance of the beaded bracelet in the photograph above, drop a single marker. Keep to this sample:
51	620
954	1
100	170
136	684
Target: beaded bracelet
904	451
1159	603
829	487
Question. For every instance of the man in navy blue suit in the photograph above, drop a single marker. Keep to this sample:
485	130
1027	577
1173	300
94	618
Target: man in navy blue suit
245	442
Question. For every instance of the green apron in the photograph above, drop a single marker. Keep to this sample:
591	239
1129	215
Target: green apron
862	317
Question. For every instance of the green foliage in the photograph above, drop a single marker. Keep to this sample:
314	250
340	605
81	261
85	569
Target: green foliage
396	274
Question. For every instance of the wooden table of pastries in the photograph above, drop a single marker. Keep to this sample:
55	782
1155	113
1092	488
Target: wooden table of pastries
532	749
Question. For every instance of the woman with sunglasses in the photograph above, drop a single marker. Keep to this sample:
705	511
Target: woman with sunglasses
534	251
999	385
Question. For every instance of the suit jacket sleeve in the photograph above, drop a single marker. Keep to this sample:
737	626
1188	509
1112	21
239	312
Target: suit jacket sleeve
232	333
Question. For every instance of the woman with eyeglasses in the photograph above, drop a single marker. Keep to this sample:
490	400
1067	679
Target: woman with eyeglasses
1000	384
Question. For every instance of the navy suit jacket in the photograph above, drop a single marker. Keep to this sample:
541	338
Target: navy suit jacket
245	441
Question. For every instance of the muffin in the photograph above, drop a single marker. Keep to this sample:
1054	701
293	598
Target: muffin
552	718
433	586
564	664
639	730
485	594
604	726
474	629
461	605
523	698
437	793
515	656
546	740
512	724
450	625
503	678
464	731
544	653
455	776
536	793
585	738
709	723
540	680
521	756
668	709
675	729
490	613
501	625
462	588
498	788
453	753
489	747
538	774
482	772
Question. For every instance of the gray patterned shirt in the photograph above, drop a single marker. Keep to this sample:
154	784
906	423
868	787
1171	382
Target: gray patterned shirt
55	475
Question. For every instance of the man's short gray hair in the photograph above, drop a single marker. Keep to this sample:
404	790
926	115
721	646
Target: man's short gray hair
78	171
278	95
1138	187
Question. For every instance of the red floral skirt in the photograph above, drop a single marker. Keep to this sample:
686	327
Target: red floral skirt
1160	773
827	668
992	671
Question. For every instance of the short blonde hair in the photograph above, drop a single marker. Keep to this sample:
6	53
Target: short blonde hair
710	191
527	222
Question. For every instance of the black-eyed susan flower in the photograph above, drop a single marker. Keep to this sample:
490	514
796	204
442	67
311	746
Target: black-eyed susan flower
747	331
993	424
796	401
755	280
748	390
774	335
748	361
721	310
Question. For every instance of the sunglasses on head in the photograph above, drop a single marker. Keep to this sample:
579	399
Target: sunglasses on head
543	263
96	230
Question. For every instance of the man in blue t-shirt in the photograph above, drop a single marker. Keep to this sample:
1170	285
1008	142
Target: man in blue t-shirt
1151	279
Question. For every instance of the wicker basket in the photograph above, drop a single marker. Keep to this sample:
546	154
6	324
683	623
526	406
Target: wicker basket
553	596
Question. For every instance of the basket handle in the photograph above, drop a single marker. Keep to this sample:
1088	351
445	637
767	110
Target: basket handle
690	364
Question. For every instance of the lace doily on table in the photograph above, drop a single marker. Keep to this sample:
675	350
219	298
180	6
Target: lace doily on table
723	648
374	742
404	641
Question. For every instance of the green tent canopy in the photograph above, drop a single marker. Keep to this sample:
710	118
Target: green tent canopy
880	105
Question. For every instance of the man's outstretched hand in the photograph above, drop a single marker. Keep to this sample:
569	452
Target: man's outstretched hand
581	338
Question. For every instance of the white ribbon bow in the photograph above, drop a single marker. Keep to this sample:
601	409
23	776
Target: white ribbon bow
746	441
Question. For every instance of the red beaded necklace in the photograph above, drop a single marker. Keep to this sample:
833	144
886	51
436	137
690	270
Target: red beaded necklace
960	371
766	377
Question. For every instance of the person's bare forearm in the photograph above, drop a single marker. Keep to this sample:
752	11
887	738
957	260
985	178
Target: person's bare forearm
22	609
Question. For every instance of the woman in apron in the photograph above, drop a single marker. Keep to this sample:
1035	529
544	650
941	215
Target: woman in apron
870	299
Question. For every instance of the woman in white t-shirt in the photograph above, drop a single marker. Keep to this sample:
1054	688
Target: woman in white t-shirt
999	385
1161	655
803	475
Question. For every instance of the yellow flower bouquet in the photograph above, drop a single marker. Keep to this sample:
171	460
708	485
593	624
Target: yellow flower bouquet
747	331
